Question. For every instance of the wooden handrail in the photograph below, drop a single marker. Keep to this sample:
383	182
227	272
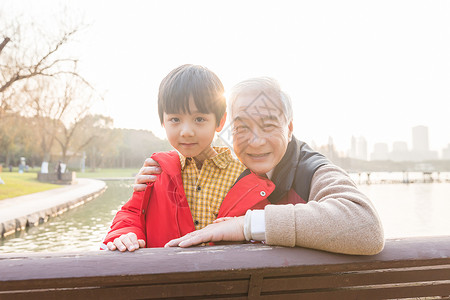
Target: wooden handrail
410	267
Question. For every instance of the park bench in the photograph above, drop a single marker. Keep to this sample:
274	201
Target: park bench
406	268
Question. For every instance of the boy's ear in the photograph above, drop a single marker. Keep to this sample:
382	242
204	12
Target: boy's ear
291	129
222	122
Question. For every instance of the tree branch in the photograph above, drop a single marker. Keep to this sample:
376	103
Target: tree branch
59	44
3	44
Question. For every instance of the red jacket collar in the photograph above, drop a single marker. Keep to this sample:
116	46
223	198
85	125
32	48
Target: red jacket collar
169	162
248	192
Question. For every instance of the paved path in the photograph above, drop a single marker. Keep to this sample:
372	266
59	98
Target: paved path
30	210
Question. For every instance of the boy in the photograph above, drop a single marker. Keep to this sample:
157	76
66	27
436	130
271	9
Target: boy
193	182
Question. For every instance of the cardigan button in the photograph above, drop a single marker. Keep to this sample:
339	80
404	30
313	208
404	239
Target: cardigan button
143	211
262	193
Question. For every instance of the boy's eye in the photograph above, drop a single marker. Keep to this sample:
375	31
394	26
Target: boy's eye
199	119
174	120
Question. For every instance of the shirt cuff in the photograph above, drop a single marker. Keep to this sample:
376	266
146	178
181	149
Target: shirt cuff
255	225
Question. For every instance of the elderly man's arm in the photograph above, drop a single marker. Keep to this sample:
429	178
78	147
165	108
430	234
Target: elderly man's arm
337	218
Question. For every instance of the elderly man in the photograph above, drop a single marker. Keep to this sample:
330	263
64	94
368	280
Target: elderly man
290	194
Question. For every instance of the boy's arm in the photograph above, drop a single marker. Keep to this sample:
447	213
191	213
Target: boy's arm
127	231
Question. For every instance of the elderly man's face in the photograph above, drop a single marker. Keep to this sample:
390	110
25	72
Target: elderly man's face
260	131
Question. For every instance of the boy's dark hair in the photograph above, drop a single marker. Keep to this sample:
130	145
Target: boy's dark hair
191	80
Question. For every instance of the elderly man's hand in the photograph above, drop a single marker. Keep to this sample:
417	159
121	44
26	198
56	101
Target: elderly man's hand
146	175
231	230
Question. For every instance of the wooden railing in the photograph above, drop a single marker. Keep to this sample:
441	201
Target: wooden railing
406	268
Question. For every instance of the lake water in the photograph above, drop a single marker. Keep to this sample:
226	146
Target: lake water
418	209
81	228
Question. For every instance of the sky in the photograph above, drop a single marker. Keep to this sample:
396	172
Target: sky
352	68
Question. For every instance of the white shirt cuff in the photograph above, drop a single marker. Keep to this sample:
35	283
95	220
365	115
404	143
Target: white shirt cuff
255	225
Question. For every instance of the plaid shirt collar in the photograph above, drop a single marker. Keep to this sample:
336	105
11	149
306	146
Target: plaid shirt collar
221	160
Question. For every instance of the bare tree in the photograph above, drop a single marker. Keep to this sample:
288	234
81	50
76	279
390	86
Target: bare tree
74	105
27	51
9	132
3	44
39	79
59	104
102	145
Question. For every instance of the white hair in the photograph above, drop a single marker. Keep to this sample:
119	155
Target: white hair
267	85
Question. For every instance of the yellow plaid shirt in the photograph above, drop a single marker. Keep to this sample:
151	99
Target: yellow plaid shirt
206	188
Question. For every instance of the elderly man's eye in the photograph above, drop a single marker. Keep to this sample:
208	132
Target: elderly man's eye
269	127
241	129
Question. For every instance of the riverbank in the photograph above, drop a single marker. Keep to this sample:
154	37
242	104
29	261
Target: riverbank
18	213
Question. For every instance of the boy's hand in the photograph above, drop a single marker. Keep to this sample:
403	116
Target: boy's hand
125	242
146	174
231	230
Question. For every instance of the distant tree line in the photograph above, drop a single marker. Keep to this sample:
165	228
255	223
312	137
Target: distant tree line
94	140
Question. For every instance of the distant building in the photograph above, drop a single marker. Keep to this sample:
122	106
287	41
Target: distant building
380	152
420	141
400	151
446	153
400	146
420	145
420	148
329	150
358	148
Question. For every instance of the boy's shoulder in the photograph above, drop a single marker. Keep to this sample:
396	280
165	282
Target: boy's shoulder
165	155
169	161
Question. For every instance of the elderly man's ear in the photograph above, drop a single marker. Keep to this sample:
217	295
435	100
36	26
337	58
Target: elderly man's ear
291	128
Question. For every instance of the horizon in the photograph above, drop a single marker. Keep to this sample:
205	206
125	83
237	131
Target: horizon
342	152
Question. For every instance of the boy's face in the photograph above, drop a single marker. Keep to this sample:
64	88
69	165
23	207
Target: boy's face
260	132
191	134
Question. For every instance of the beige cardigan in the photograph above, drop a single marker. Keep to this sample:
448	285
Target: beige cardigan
337	218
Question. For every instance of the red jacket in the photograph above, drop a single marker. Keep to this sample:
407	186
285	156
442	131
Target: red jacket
161	213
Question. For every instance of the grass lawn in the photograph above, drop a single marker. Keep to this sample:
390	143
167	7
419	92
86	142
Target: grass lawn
22	184
26	183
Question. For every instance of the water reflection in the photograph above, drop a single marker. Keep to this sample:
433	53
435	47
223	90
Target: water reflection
81	228
419	209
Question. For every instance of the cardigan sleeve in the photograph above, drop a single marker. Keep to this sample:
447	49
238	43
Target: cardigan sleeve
337	218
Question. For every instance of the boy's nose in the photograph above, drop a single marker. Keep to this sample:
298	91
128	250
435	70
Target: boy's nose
186	131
